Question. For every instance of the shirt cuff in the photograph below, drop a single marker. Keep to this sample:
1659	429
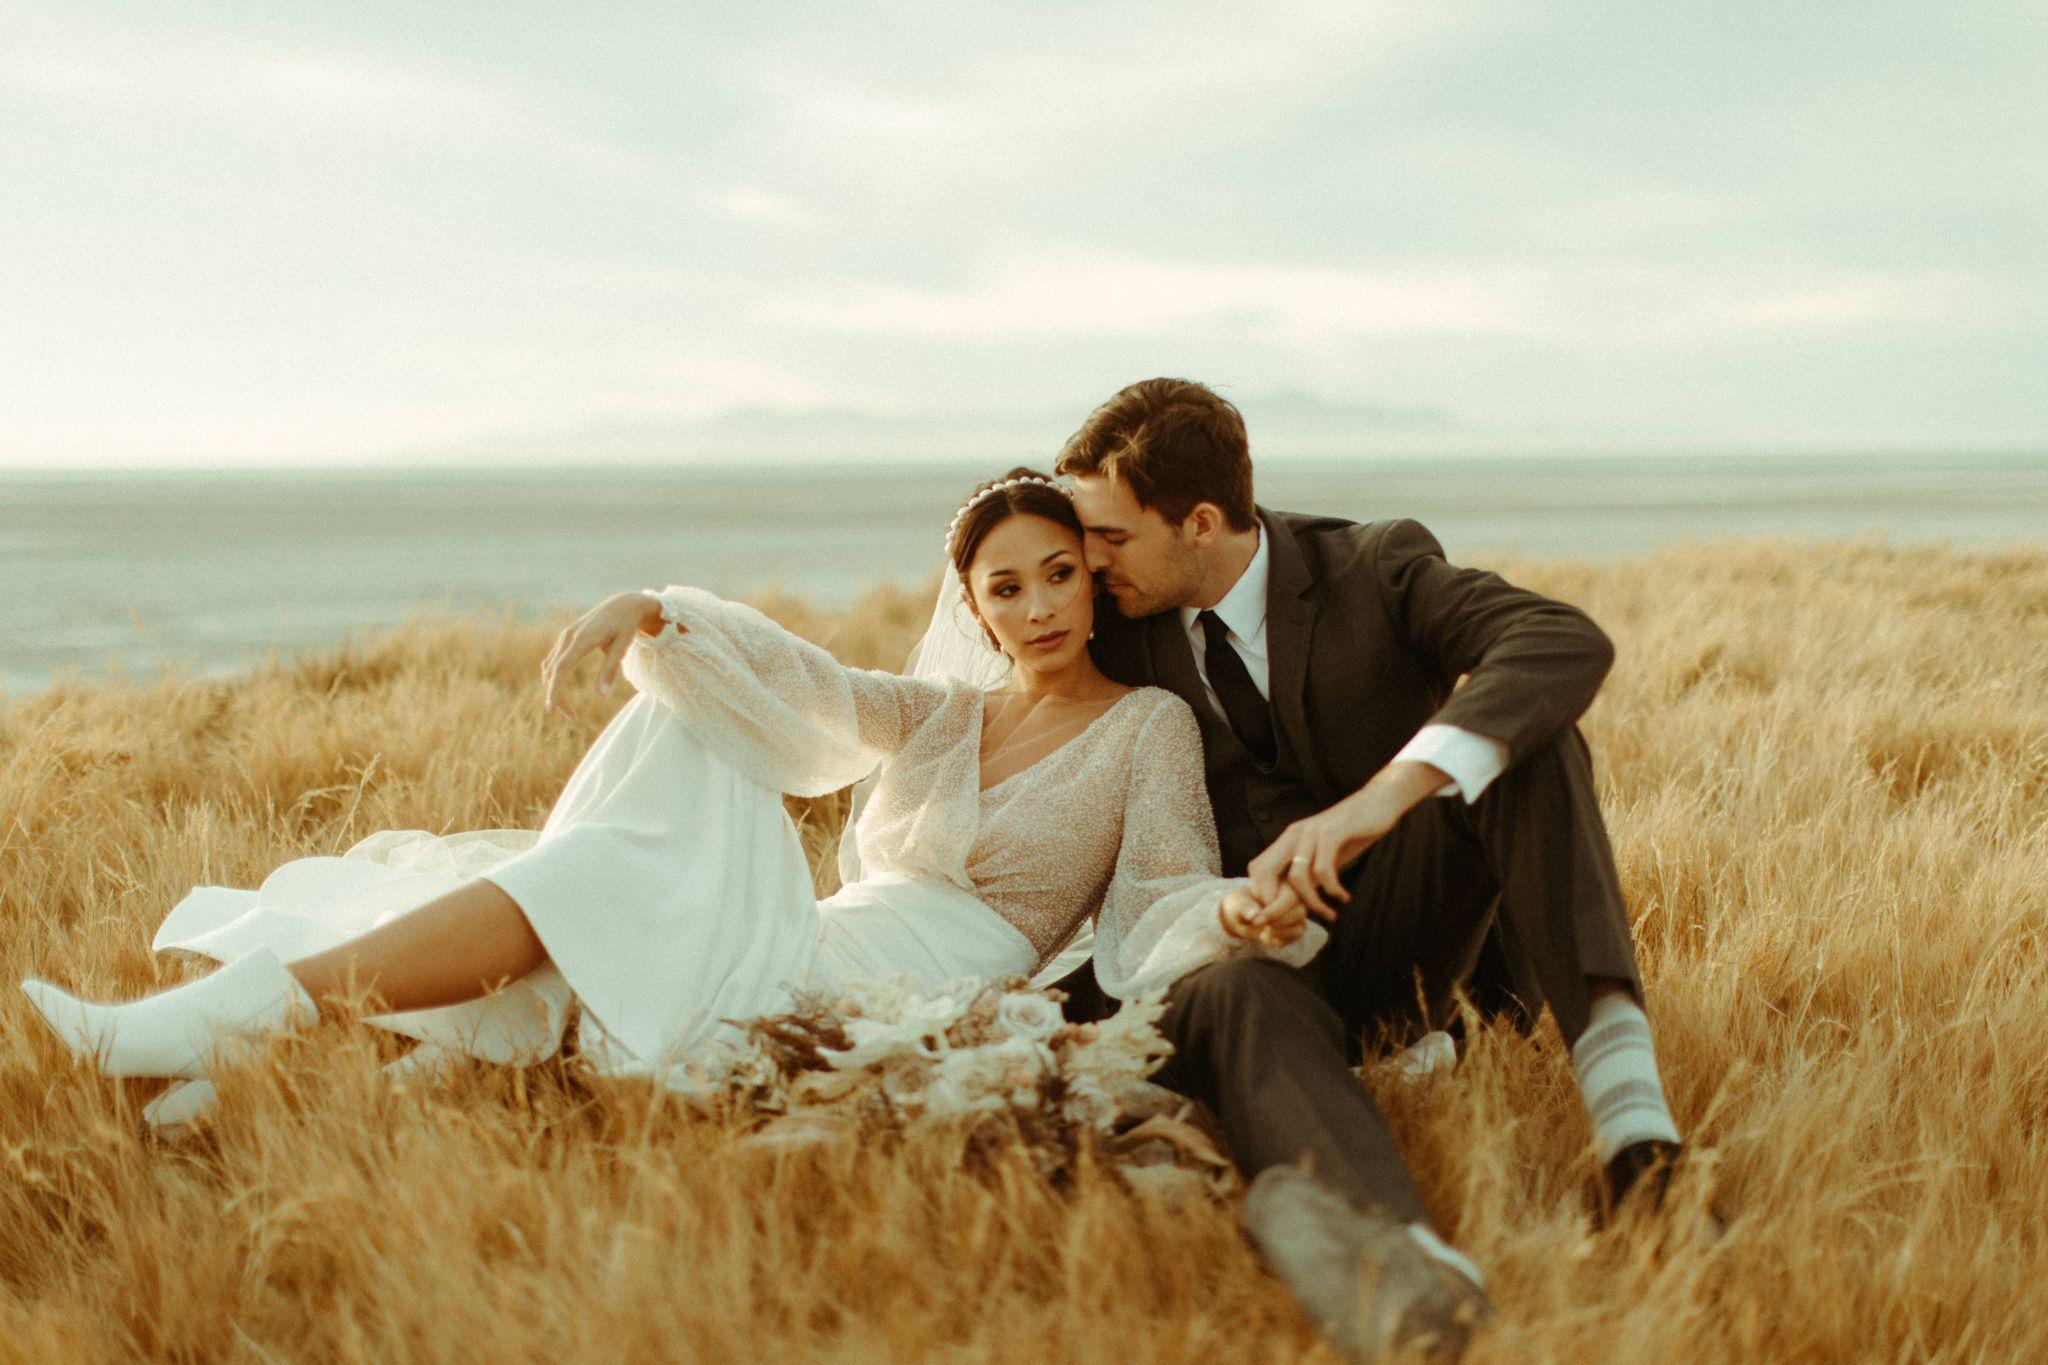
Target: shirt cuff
1472	761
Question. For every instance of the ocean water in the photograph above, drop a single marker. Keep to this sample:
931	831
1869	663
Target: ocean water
210	570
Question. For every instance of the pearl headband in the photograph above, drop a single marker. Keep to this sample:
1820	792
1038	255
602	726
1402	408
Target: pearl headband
1058	486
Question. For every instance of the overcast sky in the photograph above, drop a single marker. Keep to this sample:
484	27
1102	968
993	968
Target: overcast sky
273	234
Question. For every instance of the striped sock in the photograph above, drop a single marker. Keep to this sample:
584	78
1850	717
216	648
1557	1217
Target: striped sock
1617	1069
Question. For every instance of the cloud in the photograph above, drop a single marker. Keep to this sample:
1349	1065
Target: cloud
980	97
752	204
1135	295
221	92
323	231
1078	294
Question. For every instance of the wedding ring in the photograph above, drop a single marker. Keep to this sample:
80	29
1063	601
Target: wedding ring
1298	858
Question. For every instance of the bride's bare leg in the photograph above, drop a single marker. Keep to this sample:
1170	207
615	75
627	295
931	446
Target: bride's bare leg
456	947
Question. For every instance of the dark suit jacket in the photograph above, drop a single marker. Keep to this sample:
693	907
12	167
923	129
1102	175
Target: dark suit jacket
1367	631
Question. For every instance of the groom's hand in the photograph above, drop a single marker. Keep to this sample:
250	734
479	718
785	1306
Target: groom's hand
1310	856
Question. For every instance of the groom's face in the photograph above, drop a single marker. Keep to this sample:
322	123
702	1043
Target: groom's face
1146	563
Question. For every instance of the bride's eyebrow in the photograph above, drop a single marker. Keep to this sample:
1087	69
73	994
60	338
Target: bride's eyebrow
994	574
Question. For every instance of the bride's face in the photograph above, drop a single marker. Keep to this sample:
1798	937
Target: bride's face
1030	587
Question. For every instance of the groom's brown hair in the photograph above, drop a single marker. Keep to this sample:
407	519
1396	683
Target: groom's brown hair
1175	443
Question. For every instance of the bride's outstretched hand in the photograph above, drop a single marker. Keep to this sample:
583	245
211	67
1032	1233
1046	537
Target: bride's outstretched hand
608	627
1272	926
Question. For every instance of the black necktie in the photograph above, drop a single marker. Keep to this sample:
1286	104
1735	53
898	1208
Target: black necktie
1242	705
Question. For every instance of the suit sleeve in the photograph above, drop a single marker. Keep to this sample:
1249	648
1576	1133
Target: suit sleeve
1534	663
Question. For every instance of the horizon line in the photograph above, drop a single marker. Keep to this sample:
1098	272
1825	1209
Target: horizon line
812	462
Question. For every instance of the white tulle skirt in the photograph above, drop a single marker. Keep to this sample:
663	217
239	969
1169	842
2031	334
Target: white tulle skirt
672	895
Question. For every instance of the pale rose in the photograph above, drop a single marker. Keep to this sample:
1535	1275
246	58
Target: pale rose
1023	1015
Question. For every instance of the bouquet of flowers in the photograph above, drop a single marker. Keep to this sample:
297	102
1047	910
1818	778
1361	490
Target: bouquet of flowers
995	1058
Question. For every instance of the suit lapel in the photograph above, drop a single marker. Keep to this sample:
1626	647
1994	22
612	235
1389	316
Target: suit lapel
1290	614
1173	659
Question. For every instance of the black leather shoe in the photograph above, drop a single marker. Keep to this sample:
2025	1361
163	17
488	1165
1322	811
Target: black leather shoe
1639	1176
1648	1164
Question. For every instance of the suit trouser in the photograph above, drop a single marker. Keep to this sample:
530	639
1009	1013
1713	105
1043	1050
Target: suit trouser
1525	876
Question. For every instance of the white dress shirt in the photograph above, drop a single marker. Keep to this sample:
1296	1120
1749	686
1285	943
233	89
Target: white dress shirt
1471	760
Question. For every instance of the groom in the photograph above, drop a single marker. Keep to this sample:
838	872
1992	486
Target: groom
1449	833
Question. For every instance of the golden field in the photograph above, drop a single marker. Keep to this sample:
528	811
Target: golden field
1826	771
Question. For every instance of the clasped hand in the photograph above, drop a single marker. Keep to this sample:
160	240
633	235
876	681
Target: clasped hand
1303	870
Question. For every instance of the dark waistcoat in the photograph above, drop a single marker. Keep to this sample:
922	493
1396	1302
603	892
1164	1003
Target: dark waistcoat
1254	801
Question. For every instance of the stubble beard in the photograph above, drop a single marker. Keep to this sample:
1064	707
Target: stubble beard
1150	604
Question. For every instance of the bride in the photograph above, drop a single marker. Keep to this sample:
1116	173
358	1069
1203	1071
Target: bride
668	896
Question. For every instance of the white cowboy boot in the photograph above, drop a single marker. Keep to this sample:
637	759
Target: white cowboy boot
425	1066
178	1031
179	1107
186	1102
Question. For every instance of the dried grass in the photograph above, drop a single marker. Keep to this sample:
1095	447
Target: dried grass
1826	770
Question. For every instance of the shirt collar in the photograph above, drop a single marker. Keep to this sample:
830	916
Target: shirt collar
1243	608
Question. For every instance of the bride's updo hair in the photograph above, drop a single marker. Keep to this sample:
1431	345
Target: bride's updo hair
1021	492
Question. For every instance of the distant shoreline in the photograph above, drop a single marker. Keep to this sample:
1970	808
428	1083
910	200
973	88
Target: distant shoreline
218	568
514	617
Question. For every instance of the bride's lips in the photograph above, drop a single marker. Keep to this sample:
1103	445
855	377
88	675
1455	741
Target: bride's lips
1051	641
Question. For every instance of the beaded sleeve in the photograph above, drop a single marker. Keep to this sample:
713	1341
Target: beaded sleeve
778	708
1158	919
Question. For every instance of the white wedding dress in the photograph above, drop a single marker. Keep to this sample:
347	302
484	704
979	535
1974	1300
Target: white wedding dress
673	896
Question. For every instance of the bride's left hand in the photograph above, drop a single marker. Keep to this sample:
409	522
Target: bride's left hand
1272	926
